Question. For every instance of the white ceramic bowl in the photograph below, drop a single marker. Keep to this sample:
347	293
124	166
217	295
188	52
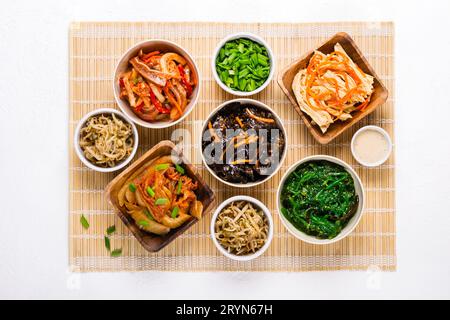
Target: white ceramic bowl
252	37
258	204
280	125
385	135
79	152
122	65
350	225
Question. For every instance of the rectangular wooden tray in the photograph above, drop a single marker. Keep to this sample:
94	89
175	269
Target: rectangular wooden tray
94	50
151	242
379	95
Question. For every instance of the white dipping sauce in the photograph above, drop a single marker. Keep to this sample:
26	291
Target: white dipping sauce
371	146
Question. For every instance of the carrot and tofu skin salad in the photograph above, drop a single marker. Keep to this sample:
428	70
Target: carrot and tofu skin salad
332	87
160	196
158	86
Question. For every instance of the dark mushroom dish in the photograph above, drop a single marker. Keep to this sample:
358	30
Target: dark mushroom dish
243	143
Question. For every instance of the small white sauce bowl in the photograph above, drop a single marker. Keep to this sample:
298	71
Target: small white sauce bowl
352	223
79	152
257	104
122	66
256	203
254	38
385	135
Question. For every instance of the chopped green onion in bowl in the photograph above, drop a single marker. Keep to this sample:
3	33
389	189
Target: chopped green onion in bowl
243	65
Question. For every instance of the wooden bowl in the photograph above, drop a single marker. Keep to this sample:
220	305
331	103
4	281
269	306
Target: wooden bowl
152	242
379	96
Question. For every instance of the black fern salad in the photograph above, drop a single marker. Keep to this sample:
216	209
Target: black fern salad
243	143
319	198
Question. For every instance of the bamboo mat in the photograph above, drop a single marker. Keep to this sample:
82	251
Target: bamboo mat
94	50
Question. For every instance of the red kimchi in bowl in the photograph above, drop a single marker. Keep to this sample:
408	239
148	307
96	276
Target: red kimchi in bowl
156	83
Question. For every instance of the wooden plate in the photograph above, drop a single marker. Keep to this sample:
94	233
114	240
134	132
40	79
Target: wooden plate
152	242
379	96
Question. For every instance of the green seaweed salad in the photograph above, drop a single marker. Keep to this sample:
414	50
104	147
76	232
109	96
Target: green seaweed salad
243	64
319	198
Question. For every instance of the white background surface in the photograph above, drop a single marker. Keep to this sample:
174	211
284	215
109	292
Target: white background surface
34	155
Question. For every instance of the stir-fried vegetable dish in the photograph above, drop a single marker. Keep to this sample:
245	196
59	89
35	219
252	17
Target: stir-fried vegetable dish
248	143
160	196
158	86
319	198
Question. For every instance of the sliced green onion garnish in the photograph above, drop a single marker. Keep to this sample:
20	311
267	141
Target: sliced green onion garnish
179	186
84	222
175	212
107	243
148	214
162	166
179	168
143	223
161	201
111	230
116	253
150	191
132	187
